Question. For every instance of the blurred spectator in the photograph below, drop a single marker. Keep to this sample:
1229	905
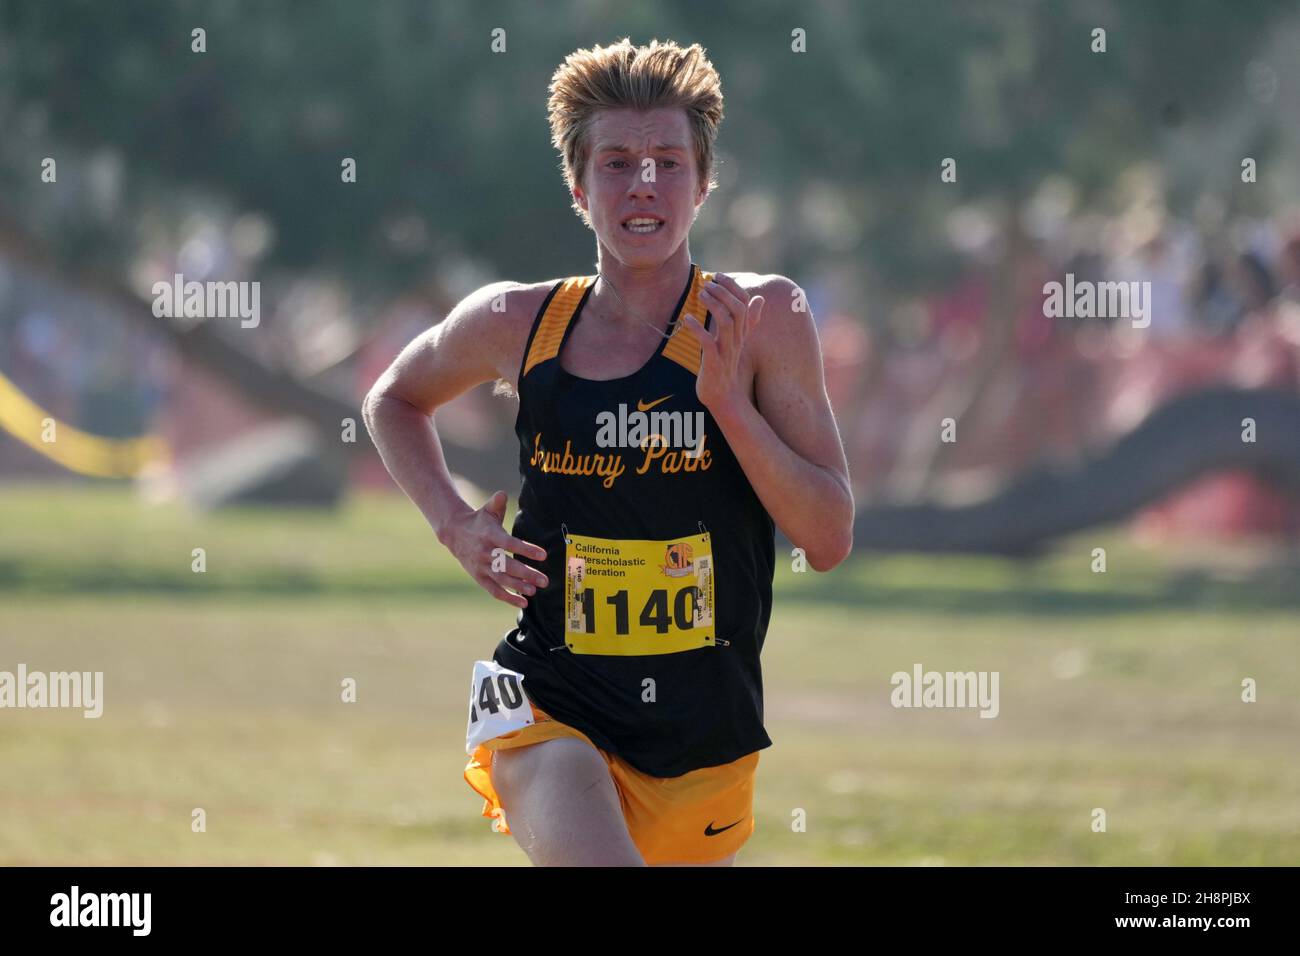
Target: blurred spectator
1212	302
1289	266
1252	283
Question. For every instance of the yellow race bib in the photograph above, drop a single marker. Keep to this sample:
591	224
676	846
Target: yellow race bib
637	597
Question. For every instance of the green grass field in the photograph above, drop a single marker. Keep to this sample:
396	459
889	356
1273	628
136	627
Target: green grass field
222	691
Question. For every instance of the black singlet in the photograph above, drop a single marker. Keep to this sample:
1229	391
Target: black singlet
654	651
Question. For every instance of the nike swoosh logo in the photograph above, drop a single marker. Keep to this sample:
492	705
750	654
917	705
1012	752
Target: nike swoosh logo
709	831
643	407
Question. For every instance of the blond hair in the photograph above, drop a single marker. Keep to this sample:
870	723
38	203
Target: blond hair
638	77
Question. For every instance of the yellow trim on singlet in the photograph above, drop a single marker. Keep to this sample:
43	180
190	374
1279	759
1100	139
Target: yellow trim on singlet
550	331
684	348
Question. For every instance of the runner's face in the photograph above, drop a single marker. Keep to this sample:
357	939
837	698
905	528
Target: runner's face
641	164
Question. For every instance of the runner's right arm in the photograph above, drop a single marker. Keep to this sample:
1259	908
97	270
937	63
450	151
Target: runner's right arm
473	345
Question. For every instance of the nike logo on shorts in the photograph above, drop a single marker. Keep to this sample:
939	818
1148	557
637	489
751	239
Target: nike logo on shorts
709	831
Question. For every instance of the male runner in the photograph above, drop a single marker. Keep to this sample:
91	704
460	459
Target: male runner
663	429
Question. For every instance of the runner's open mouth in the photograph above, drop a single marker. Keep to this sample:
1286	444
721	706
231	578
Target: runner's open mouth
643	226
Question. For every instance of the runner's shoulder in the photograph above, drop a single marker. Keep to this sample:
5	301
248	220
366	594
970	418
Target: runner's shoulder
501	316
505	304
787	317
766	285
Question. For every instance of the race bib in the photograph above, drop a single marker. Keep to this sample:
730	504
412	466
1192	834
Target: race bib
637	597
497	704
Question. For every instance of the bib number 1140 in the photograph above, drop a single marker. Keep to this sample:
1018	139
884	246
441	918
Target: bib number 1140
638	597
653	614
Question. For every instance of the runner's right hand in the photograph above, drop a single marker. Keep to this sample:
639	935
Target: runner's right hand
475	536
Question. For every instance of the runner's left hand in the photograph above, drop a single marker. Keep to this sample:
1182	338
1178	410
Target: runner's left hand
735	314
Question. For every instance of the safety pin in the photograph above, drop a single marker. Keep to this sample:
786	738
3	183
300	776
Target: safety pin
564	533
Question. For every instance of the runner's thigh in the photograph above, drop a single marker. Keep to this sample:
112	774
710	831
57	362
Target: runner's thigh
561	804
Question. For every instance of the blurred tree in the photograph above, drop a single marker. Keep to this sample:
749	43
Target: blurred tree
452	147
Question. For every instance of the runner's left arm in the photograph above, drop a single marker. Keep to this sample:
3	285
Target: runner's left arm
787	443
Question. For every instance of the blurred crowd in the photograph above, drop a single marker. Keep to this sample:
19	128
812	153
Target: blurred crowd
1028	389
78	360
1023	388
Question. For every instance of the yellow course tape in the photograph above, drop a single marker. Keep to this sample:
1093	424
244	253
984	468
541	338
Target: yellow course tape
76	450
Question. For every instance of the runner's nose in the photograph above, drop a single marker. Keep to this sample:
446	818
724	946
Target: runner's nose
642	185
